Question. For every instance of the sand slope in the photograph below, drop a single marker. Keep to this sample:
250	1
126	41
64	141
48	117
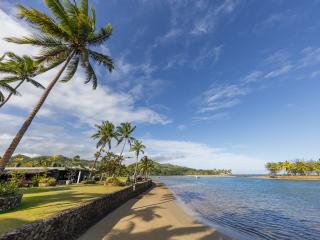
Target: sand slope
153	215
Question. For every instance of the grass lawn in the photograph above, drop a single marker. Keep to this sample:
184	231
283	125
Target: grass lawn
38	203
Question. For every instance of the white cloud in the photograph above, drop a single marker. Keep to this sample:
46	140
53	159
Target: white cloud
75	98
220	97
279	72
199	155
207	23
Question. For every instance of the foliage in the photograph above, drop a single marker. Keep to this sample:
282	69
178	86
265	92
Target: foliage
48	161
8	189
17	176
17	69
45	179
146	165
114	181
174	170
296	167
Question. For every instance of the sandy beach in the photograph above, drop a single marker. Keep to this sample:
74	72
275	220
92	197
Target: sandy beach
154	215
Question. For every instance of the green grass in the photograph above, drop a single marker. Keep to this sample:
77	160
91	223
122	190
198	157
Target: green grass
39	203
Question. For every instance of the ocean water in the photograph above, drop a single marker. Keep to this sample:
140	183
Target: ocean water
253	208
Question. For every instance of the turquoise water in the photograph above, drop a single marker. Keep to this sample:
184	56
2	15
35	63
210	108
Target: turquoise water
253	208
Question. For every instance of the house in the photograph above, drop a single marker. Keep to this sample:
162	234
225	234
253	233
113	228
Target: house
61	174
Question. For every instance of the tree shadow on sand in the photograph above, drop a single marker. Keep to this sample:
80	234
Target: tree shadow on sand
163	233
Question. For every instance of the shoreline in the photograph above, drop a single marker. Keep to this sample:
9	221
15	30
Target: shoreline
155	214
291	178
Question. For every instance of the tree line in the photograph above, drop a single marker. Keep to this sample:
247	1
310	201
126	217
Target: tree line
294	168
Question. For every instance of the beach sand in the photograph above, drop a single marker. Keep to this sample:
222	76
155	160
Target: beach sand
153	215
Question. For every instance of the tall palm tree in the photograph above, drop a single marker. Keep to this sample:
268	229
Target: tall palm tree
137	147
19	69
65	38
124	134
104	134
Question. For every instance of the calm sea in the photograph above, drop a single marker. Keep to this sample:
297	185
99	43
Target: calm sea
253	208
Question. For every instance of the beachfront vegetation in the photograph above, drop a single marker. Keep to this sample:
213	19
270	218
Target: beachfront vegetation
66	37
294	168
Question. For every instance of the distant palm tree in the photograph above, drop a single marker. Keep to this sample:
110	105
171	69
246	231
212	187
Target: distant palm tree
18	69
124	134
64	38
105	134
146	165
137	147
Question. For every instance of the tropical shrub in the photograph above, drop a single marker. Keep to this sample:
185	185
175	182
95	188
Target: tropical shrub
45	179
17	176
8	189
114	181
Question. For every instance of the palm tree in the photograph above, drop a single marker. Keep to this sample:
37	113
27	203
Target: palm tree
22	69
65	39
104	134
146	165
137	147
124	134
287	166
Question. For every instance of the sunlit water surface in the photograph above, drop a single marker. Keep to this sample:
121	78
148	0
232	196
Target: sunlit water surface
253	208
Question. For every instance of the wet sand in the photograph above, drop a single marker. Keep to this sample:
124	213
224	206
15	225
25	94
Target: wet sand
153	215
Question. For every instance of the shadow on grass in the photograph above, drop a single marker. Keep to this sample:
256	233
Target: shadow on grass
9	224
45	189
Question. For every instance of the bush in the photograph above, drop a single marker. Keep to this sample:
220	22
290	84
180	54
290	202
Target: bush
8	189
17	176
45	179
114	181
89	182
23	182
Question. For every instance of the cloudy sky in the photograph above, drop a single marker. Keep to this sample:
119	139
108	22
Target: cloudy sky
209	84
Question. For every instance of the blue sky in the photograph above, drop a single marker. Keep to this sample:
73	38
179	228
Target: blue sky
229	83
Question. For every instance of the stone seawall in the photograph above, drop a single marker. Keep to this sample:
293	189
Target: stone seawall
69	224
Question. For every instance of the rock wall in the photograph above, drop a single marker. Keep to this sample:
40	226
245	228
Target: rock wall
7	203
71	223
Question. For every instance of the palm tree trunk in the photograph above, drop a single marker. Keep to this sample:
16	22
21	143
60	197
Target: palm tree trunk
95	161
12	147
9	96
125	141
135	174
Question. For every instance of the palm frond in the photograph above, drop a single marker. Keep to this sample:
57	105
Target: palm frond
58	11
71	69
41	21
101	36
35	83
91	76
36	40
51	53
102	59
9	79
84	7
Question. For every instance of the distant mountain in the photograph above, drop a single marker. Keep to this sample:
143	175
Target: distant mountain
167	169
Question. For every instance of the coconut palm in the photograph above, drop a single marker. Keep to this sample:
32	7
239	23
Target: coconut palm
124	134
146	165
104	134
18	69
137	147
65	38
